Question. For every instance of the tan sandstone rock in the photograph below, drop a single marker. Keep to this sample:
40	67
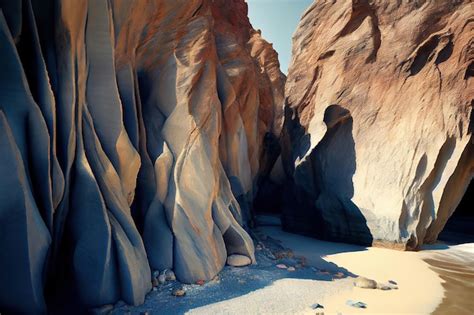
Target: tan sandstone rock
377	143
131	136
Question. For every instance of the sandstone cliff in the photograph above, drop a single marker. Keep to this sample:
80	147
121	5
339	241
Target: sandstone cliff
377	143
130	137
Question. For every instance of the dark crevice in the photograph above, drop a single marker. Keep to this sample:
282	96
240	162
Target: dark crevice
469	71
197	10
460	226
423	55
326	55
445	53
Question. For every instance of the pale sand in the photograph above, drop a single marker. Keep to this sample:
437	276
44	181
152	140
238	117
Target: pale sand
420	289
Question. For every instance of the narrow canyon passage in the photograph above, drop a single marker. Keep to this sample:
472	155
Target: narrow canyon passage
140	142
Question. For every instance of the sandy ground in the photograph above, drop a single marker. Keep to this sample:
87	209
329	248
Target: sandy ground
420	289
438	279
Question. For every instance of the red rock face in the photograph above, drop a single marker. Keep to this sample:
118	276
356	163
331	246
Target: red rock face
130	132
378	138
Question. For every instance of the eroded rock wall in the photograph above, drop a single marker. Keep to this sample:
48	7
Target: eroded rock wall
130	132
377	143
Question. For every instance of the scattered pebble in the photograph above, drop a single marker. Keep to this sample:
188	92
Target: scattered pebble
316	306
291	269
392	282
200	282
169	274
281	266
156	273
356	304
236	260
155	289
365	283
298	266
162	279
383	287
154	282
178	292
145	313
386	286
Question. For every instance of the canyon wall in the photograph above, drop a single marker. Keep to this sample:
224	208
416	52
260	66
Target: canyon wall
131	136
377	143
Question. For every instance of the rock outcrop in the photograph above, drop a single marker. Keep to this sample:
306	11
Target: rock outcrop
131	134
377	142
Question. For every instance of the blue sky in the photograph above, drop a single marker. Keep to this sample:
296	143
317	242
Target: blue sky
278	20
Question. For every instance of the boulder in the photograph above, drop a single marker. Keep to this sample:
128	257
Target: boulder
236	260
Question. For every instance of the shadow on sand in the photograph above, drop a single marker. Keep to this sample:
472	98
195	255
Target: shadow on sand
236	282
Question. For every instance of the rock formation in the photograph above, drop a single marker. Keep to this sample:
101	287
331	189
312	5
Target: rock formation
131	134
377	143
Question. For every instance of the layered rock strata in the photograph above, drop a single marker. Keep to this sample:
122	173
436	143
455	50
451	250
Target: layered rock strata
377	144
129	130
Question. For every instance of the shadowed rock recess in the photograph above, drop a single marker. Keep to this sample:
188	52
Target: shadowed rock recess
131	135
377	145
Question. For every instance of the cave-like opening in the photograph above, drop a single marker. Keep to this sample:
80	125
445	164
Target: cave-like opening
460	226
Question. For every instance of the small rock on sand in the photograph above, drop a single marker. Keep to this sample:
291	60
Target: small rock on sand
236	260
161	278
316	306
392	282
169	274
282	266
356	304
291	269
383	287
386	286
364	283
200	282
178	292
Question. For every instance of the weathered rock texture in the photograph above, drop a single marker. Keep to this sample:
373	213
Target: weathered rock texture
378	140
129	131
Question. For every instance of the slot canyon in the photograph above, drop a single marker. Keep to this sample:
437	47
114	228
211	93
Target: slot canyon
148	135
